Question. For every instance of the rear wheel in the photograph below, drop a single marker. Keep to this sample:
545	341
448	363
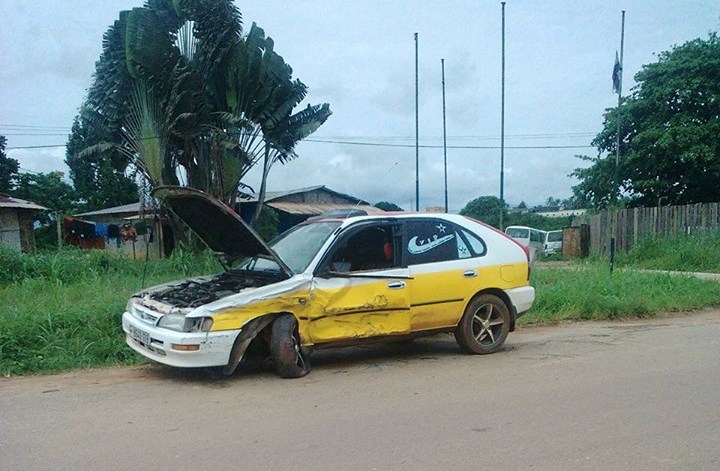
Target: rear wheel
484	326
285	348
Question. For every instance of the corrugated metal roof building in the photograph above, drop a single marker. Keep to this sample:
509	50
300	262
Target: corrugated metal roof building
294	206
17	223
156	239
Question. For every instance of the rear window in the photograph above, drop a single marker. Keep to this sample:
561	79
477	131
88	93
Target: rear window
517	233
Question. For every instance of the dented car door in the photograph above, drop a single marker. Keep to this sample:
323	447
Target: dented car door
361	288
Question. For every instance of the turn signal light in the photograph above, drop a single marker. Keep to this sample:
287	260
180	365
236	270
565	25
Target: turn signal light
186	348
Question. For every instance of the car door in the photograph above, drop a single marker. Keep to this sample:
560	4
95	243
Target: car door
360	288
444	261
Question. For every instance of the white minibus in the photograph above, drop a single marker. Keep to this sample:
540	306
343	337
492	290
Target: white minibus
533	239
553	242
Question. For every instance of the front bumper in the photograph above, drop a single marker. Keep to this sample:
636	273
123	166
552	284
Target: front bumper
522	298
156	343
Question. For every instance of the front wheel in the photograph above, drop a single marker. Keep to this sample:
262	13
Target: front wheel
285	348
484	326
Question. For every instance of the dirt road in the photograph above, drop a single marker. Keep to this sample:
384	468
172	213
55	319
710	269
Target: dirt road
642	395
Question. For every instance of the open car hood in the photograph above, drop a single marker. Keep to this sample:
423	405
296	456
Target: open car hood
221	228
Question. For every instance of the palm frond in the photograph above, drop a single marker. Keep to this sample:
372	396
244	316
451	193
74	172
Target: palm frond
185	40
145	133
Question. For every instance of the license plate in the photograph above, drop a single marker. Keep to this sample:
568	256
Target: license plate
139	335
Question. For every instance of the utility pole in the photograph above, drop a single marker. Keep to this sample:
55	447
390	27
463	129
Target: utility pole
58	230
417	132
502	125
442	64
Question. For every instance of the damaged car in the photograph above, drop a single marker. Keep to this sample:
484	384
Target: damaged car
333	280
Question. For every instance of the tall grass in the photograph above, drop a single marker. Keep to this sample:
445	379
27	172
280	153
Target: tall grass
62	310
590	291
682	253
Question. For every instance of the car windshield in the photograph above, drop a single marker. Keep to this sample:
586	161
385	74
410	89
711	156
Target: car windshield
296	247
555	236
517	233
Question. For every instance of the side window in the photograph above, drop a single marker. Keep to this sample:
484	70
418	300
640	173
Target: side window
373	247
431	240
477	246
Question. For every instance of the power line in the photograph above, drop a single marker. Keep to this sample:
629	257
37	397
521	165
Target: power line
379	144
52	131
32	126
38	134
429	146
29	171
34	147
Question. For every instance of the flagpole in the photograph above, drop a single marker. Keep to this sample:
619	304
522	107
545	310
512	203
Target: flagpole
442	64
417	132
613	242
617	146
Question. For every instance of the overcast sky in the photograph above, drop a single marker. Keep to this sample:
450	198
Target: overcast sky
359	57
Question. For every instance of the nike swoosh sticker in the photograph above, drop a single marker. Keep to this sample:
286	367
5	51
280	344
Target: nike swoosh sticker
414	248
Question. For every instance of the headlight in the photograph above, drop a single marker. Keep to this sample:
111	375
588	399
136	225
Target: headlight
129	305
172	322
180	323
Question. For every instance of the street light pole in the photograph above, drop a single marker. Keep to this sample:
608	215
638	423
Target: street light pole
502	125
442	63
417	132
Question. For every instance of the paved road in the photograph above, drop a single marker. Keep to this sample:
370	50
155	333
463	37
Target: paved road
641	395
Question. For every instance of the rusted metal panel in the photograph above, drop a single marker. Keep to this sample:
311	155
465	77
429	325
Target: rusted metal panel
315	209
16	203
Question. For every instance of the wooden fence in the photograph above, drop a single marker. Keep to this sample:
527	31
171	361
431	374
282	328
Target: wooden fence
634	224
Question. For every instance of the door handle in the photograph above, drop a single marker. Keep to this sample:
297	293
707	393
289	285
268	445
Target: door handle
396	285
470	274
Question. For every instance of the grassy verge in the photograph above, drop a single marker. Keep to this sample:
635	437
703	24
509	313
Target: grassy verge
590	292
62	311
700	253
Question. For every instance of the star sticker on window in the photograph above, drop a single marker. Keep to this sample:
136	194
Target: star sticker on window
441	227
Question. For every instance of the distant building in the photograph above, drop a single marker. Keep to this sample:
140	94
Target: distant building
157	238
17	223
435	209
144	233
294	206
561	213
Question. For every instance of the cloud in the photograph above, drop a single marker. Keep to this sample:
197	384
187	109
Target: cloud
40	160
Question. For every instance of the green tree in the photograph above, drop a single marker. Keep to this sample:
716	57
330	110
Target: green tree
8	168
183	98
670	133
388	206
100	180
553	202
46	189
486	209
538	222
263	93
267	225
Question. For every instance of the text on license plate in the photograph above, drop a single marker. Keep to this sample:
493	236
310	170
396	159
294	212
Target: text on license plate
139	335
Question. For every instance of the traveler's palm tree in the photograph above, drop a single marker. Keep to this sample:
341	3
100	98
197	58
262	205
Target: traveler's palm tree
187	100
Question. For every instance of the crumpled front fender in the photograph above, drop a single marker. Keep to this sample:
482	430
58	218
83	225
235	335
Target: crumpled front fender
247	334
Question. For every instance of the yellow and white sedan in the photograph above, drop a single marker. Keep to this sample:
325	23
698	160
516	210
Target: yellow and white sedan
333	280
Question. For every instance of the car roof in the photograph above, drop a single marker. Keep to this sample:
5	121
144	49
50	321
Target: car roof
389	215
